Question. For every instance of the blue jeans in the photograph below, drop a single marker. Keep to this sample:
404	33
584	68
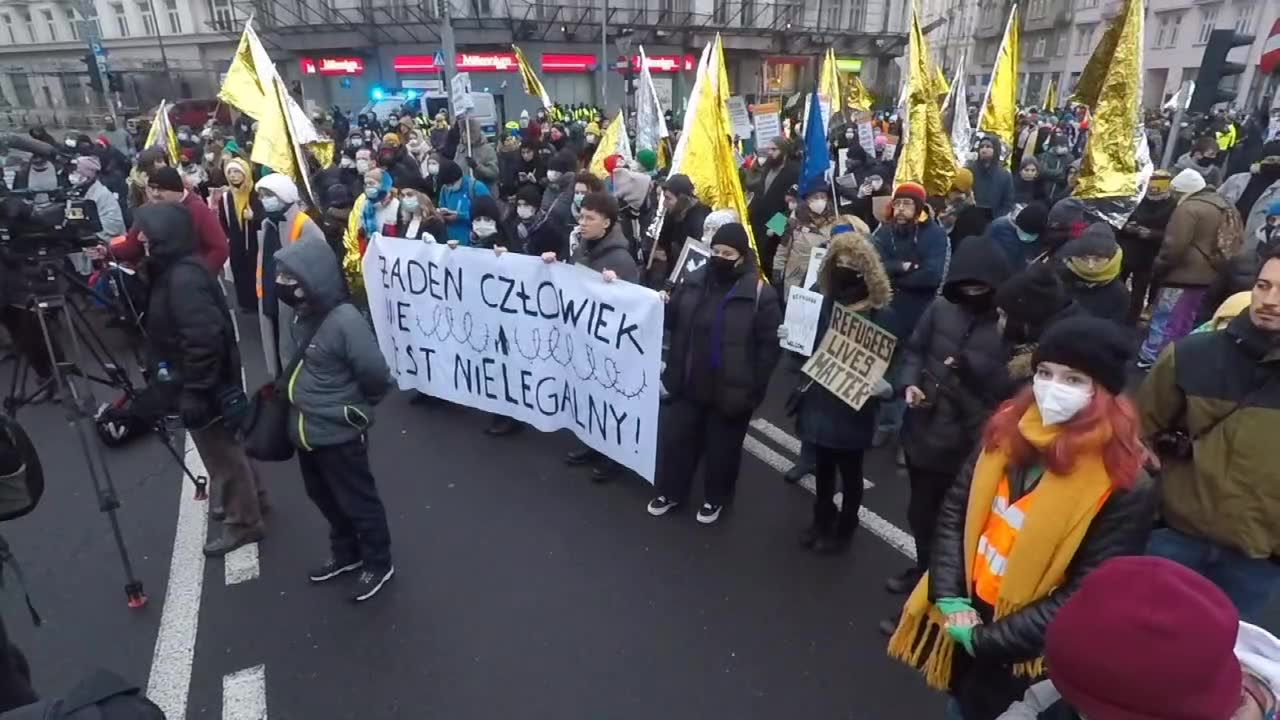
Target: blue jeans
1249	582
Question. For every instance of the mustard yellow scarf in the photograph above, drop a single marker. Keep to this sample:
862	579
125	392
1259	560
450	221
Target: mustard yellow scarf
1054	528
1102	275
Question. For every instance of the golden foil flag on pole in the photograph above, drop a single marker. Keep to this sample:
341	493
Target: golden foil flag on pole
926	156
829	85
859	97
161	134
613	142
532	85
1116	165
999	113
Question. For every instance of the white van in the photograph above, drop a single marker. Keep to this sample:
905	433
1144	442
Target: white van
430	102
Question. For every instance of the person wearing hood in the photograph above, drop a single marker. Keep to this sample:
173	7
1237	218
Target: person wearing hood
632	188
531	168
833	433
418	217
1141	238
685	216
602	247
1091	273
1056	489
509	163
1054	162
418	150
1187	264
283	223
192	341
1032	301
915	251
487	228
393	159
85	177
1065	222
992	183
769	196
1253	193
479	158
337	215
815	219
241	213
457	193
724	323
537	232
339	376
1203	160
1018	234
557	198
590	141
948	365
1028	187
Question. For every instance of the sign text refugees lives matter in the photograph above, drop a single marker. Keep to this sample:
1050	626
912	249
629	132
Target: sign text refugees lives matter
552	345
854	354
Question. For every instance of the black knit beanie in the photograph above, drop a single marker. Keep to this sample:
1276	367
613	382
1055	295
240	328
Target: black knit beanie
1098	240
1032	218
1091	345
530	195
1033	295
450	171
733	235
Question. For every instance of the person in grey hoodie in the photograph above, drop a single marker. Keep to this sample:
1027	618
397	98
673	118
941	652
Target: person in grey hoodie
341	375
992	182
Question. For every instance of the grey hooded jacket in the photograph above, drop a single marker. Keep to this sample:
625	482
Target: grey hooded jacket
343	373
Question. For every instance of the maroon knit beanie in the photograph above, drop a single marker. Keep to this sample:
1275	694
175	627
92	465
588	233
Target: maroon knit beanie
1145	638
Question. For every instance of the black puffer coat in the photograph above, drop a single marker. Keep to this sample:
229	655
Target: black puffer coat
941	434
747	351
188	325
1121	527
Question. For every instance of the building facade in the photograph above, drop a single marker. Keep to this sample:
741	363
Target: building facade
342	52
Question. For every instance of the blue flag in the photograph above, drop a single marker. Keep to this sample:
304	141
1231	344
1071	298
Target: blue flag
816	157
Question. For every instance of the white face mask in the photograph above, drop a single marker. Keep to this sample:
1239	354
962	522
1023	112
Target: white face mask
208	157
1059	403
409	204
75	178
433	168
524	211
553	175
363	166
484	228
272	204
372	192
817	206
347	162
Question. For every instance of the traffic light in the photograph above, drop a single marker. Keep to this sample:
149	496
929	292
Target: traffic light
91	62
114	82
1214	67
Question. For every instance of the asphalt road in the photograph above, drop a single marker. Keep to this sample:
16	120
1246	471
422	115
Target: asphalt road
522	590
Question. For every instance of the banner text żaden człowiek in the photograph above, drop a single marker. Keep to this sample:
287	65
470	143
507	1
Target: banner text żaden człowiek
552	345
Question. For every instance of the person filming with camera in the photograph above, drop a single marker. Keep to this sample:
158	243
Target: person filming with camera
194	367
1211	408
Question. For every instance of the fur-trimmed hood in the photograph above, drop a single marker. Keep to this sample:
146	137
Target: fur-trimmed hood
856	245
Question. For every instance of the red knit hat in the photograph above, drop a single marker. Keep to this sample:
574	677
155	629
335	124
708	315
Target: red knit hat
611	163
915	191
1145	638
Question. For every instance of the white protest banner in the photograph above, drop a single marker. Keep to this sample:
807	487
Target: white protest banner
460	93
552	345
768	121
854	354
739	118
867	137
801	320
816	256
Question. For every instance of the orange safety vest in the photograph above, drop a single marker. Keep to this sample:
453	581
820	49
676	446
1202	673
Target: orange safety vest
996	543
295	232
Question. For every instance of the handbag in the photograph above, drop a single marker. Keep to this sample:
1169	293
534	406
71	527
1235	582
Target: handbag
266	424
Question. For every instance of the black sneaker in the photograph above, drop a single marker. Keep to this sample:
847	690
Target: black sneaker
370	582
660	505
709	513
332	569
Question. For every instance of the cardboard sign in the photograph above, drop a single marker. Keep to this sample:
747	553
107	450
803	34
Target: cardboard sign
801	321
460	93
867	137
739	118
816	256
853	357
767	118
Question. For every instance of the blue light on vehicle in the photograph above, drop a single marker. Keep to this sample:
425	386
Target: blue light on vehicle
410	94
376	93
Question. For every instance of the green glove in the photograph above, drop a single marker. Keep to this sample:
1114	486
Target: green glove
962	635
949	606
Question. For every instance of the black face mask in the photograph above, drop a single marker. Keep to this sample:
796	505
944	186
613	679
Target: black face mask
1017	332
289	295
1204	161
1269	171
977	303
722	268
848	286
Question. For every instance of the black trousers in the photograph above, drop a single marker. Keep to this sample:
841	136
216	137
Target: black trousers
693	433
339	482
928	489
843	521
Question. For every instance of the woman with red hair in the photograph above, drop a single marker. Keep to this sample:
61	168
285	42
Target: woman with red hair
1056	489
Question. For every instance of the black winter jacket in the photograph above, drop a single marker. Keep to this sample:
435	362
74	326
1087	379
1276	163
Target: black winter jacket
188	325
1121	527
941	434
1108	301
745	318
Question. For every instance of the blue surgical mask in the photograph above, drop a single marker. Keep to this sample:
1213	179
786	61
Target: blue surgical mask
409	204
372	193
1026	237
272	204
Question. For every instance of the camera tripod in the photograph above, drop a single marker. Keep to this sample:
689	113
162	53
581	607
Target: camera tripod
68	388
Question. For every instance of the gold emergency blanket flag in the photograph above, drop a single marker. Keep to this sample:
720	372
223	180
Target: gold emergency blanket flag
999	114
942	87
532	85
829	86
161	134
613	142
859	97
1051	95
926	157
1117	163
704	152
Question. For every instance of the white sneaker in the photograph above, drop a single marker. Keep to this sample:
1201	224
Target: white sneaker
709	513
660	505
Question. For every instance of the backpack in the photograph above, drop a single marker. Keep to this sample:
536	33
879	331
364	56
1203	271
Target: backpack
1230	237
102	695
22	481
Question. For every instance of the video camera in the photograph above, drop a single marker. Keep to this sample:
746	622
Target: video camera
47	223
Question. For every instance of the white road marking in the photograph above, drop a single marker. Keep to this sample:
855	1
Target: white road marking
896	537
241	565
244	694
170	680
778	435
